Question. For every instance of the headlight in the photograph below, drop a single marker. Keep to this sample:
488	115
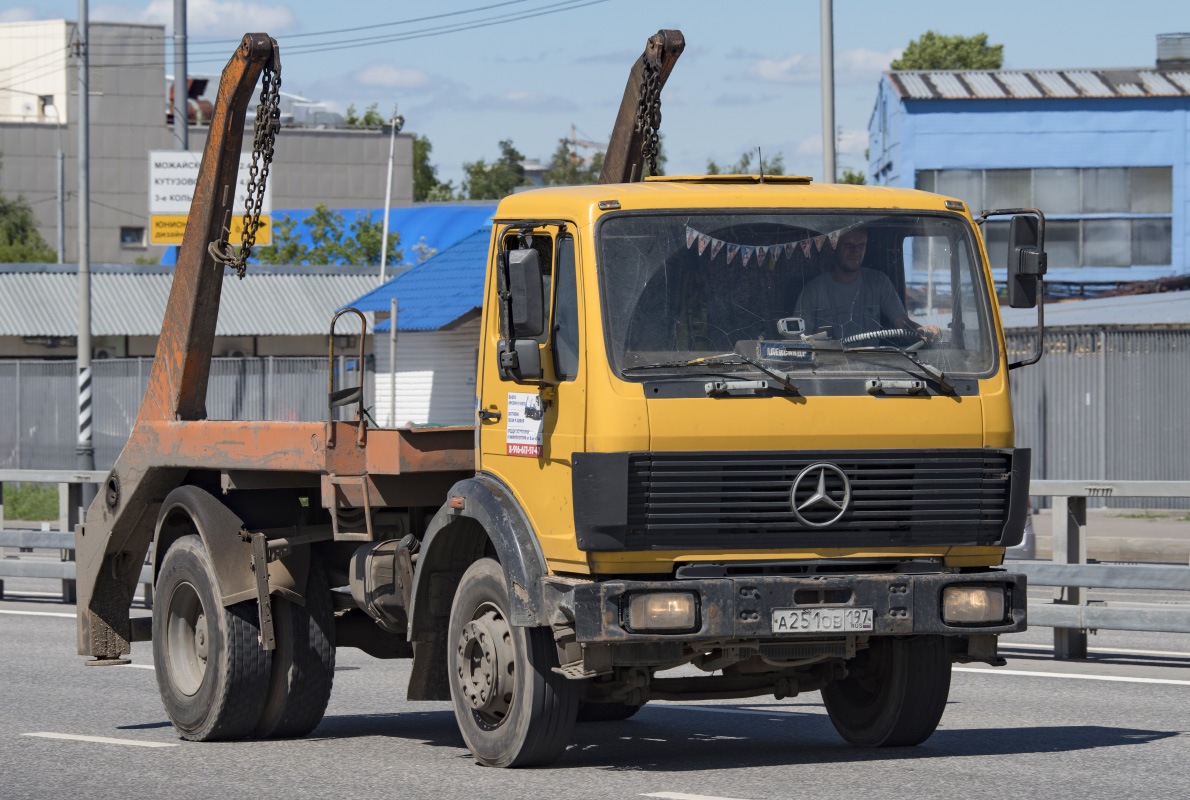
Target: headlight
662	611
968	604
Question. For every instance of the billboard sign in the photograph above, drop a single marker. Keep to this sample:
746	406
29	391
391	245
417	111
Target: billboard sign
172	177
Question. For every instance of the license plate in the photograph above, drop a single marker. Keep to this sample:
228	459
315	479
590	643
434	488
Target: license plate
821	620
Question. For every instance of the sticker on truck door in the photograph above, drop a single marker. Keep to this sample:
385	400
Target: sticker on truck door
526	421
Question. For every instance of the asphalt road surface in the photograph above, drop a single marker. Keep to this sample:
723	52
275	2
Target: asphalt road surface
1114	726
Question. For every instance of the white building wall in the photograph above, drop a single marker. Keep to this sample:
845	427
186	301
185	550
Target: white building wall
435	376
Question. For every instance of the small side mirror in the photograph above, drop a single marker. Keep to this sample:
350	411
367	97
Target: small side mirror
1026	261
525	295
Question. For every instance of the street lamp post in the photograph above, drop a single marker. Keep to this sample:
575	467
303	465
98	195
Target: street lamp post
84	451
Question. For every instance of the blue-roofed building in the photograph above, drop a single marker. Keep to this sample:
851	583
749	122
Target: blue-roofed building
1105	153
434	225
438	311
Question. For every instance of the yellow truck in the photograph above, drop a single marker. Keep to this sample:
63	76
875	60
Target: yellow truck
715	456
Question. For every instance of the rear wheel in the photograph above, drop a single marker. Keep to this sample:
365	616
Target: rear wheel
894	694
303	663
606	712
211	671
512	709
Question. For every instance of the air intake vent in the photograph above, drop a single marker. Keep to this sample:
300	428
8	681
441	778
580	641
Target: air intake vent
1173	50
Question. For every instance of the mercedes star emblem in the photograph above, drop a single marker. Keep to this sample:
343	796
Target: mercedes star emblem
826	503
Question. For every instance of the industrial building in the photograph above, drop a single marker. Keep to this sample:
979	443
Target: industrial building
341	167
1105	153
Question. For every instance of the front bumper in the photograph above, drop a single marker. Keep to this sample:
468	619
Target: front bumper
741	608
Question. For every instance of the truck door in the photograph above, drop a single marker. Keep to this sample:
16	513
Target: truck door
530	443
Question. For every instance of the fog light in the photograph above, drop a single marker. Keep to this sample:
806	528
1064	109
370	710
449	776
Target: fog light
662	611
972	604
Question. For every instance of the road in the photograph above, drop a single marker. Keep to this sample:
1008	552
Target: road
1113	726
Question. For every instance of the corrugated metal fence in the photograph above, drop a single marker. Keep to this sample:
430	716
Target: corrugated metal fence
37	426
1106	404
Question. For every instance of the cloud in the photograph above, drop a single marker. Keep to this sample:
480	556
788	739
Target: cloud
859	65
523	100
742	99
391	76
205	17
20	14
846	143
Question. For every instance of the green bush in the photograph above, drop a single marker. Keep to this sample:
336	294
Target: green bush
31	502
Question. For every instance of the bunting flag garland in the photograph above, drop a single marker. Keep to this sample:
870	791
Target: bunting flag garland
766	254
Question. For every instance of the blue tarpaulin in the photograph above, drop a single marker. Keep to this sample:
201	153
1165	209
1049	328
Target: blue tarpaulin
439	226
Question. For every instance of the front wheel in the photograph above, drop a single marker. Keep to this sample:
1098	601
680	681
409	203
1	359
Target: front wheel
894	694
512	709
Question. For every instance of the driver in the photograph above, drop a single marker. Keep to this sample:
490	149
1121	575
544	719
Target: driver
852	299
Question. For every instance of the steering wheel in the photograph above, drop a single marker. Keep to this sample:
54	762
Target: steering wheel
899	337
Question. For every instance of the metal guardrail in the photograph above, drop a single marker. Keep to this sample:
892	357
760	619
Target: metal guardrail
1070	614
70	512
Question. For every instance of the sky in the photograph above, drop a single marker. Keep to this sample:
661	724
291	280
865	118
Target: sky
749	76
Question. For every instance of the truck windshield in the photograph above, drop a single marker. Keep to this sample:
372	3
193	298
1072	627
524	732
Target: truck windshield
817	294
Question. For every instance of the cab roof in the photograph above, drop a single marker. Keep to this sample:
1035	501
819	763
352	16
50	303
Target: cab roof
583	203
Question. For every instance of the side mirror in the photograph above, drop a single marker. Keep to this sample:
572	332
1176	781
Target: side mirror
522	315
525	298
1026	261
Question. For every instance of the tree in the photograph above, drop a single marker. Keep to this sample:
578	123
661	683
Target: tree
426	185
496	180
19	240
936	51
570	170
853	177
333	240
370	119
775	165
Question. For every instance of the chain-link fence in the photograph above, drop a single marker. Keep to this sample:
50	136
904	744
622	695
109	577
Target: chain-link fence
38	426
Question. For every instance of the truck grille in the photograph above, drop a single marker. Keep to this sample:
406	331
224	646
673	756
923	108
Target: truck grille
898	497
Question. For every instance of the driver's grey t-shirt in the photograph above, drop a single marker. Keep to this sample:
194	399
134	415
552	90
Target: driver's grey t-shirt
868	303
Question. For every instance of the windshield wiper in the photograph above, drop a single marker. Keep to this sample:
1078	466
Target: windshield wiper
726	359
931	371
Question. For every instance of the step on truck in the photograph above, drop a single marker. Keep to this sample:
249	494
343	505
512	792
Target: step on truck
720	450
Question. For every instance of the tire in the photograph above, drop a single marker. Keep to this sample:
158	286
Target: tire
303	663
895	693
212	673
606	712
512	709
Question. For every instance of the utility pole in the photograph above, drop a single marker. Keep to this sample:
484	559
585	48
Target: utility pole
392	364
181	83
84	451
828	92
47	101
394	125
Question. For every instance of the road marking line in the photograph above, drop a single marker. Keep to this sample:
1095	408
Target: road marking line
139	666
684	796
1075	676
100	739
38	613
1121	650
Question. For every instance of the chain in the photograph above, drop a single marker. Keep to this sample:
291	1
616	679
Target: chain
648	113
268	122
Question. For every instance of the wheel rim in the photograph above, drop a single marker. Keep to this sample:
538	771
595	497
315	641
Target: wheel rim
187	638
486	668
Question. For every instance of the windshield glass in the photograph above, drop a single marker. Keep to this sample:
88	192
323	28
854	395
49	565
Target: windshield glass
820	294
